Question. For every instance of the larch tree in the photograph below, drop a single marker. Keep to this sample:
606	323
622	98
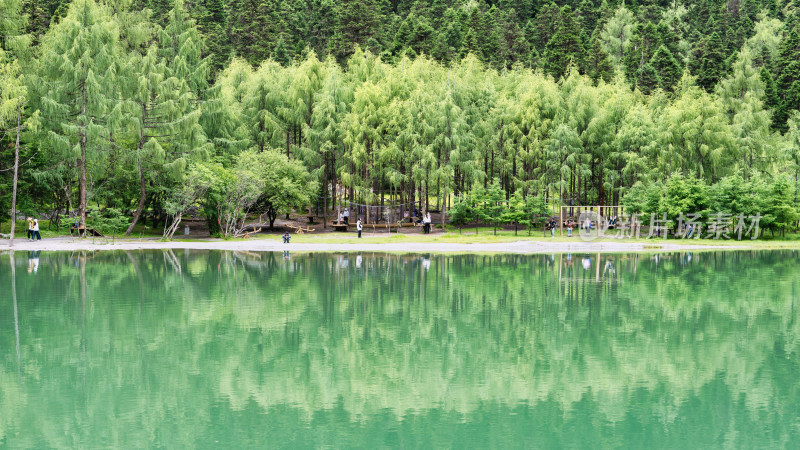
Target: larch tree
617	34
15	118
77	86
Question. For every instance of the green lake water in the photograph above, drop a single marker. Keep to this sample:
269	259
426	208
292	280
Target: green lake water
188	349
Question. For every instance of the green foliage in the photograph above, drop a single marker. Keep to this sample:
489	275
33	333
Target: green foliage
418	102
462	211
684	196
780	211
107	221
491	203
516	211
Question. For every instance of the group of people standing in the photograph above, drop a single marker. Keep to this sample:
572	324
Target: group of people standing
33	230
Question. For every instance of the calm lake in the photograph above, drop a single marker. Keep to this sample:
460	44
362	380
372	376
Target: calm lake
212	349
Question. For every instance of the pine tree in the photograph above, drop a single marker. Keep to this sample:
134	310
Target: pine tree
79	58
667	67
544	26
771	100
788	73
358	23
598	64
211	18
643	45
647	79
709	62
564	47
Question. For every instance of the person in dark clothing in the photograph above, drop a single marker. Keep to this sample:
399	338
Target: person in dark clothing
286	237
359	227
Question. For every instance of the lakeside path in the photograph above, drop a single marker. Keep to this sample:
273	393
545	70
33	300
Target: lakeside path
519	247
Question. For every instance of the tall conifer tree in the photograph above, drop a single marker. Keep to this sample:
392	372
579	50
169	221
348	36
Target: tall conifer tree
79	60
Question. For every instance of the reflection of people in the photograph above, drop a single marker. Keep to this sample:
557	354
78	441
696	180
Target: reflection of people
426	264
609	267
286	255
33	261
358	261
587	263
36	235
286	237
359	227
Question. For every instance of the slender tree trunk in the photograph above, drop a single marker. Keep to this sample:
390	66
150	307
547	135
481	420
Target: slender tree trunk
16	315
14	189
82	165
142	198
325	200
444	206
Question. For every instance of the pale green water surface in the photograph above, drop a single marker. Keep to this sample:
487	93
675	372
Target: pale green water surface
188	349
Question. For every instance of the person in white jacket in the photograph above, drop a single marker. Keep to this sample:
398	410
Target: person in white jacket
36	235
359	227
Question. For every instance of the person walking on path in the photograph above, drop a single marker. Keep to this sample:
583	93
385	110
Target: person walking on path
36	235
359	227
30	228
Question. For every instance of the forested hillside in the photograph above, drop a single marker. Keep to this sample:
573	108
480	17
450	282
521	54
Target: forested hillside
126	104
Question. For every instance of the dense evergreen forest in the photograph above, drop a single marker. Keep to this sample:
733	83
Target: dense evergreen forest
140	108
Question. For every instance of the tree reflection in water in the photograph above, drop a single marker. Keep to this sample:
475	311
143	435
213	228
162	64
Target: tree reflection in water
173	347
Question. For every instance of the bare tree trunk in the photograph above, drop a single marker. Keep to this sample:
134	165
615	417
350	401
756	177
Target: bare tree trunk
14	190
142	198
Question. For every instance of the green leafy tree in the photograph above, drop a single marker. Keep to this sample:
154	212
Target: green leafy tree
684	196
516	212
617	34
462	211
779	210
108	221
16	117
492	204
77	68
285	183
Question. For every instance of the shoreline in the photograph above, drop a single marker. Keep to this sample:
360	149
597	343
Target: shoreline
518	247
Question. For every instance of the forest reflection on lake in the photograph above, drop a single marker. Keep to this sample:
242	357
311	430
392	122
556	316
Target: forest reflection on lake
237	349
